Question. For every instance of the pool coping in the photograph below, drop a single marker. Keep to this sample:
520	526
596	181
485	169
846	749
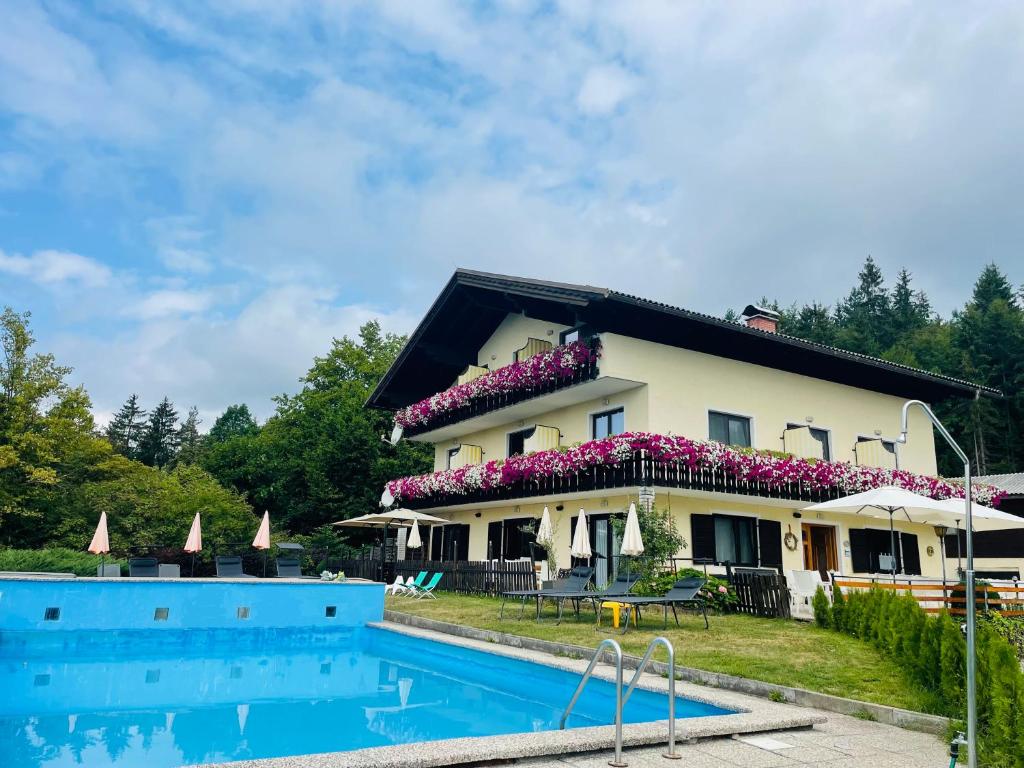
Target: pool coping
753	715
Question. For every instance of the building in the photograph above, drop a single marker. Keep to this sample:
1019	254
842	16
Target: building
538	394
998	554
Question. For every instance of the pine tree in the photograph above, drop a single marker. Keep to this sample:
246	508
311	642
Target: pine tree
190	442
160	439
911	310
863	316
125	429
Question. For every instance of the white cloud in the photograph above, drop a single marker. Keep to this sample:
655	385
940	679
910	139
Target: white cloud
52	268
160	304
604	89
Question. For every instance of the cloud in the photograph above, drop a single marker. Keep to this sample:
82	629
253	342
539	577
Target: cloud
52	268
160	304
604	89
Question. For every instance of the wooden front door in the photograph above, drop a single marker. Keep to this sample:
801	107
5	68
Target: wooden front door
820	548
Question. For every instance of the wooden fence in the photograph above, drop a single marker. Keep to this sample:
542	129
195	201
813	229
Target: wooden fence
935	596
761	594
482	577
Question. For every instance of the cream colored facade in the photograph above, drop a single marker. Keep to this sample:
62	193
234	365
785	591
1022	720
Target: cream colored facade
666	389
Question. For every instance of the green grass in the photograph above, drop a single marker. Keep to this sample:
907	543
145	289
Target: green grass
777	651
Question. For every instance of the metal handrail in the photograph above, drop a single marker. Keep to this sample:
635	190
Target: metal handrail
671	754
617	649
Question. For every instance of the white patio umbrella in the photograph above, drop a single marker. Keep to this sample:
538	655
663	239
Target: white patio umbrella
100	544
581	539
194	542
397	517
888	501
985	518
262	540
632	543
545	536
414	541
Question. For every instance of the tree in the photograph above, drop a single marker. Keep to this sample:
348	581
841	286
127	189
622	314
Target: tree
863	316
190	442
125	430
236	421
160	439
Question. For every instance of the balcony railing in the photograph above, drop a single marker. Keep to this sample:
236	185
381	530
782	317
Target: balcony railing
639	470
586	372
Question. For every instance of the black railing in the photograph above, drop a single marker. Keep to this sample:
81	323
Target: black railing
464	576
482	405
639	470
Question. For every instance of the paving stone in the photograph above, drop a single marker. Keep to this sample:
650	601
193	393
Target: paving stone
745	755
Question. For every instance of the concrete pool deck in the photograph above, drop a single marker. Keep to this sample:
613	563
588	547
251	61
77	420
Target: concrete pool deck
754	716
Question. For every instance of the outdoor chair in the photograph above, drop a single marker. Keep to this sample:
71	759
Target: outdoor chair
427	590
143	567
411	584
230	567
684	592
397	586
288	568
578	580
621	587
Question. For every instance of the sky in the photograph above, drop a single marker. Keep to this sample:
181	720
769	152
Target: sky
195	198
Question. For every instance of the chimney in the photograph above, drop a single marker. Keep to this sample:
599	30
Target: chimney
761	318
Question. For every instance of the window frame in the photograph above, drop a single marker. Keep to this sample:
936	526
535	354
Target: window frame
826	430
577	329
450	454
733	414
610	410
516	431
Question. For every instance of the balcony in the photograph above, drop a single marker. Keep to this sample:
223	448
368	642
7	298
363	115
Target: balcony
640	469
581	384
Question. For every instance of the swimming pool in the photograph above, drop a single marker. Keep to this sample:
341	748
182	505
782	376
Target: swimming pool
161	699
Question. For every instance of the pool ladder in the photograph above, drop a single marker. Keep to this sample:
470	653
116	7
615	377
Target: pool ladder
621	698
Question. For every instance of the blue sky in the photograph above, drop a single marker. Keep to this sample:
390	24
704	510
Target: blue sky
195	197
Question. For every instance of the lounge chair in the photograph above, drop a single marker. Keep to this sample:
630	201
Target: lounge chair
143	567
683	592
411	584
578	580
230	567
397	586
288	568
427	590
621	587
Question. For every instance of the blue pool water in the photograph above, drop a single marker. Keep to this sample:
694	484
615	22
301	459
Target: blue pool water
161	699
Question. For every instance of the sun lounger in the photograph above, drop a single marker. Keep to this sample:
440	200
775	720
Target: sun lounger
411	584
288	568
621	587
230	567
684	592
578	580
143	567
427	590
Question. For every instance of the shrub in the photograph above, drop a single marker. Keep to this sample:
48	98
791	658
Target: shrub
932	649
1009	628
53	560
662	540
822	609
717	592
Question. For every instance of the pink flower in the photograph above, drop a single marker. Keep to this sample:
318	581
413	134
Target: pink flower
757	470
722	589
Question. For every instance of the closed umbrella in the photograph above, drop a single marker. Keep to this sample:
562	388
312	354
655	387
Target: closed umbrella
632	543
888	501
262	540
194	543
414	537
100	543
545	536
581	539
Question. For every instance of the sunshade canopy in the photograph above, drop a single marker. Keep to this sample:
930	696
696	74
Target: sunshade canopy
889	502
581	539
398	517
632	543
983	518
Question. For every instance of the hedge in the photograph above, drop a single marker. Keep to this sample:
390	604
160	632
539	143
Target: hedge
52	560
933	651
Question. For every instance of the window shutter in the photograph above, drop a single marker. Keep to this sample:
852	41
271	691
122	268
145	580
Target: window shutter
911	554
769	535
859	551
702	531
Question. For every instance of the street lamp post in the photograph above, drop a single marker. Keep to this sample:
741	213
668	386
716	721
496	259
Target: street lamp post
972	700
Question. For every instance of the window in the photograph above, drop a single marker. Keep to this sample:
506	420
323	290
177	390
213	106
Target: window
821	435
729	429
517	440
735	540
571	335
869	545
452	453
608	423
888	445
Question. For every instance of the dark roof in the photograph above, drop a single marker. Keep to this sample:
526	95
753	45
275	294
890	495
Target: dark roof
472	304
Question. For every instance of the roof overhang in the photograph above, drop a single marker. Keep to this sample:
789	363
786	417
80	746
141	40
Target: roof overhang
473	304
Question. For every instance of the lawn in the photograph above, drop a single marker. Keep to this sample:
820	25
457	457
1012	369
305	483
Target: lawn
773	650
